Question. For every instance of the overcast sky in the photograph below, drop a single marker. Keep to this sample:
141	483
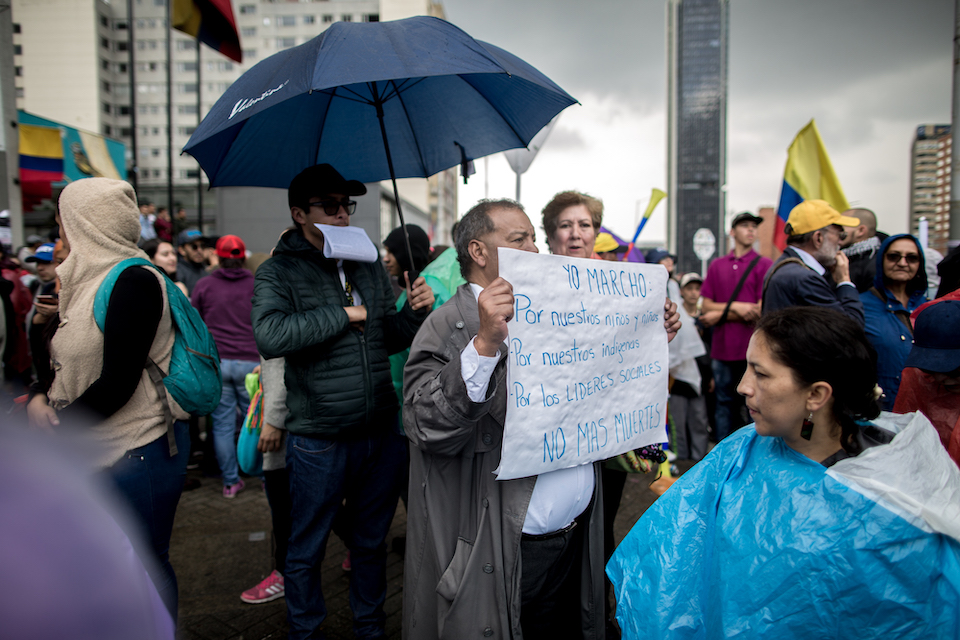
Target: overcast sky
869	71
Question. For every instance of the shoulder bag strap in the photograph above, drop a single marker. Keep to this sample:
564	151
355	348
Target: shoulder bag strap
774	269
736	290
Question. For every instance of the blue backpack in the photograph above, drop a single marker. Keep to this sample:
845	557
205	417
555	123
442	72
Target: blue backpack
194	379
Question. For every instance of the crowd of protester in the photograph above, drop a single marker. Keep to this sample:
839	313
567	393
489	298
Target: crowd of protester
373	393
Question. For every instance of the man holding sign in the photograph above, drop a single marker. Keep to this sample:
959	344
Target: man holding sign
467	532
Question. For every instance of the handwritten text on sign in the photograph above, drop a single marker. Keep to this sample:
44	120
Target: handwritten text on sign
587	362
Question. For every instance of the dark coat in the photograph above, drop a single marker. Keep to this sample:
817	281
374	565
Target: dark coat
337	378
797	285
462	565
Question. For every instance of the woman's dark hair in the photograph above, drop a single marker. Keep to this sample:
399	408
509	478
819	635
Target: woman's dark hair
150	246
823	345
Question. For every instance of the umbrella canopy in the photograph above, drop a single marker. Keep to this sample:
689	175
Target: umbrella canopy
418	87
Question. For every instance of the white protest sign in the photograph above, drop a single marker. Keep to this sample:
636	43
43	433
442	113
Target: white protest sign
587	365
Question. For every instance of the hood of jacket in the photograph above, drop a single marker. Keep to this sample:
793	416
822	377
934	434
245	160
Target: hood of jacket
232	274
919	282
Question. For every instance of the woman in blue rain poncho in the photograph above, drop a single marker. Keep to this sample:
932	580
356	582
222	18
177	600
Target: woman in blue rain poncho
810	523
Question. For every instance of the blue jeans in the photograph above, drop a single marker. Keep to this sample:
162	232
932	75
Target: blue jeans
362	475
730	404
150	483
234	397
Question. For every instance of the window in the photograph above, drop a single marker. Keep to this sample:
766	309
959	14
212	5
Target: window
266	22
104	44
154	109
143	87
18	71
104	21
186	131
121	67
248	32
346	18
123	110
106	107
142	109
125	132
144	152
120	25
187	66
188	87
16	27
191	173
144	131
121	45
248	9
156	173
371	17
186	45
106	130
19	92
155	131
286	21
159	3
249	54
309	19
286	43
155	152
187	109
141	23
327	18
226	66
105	86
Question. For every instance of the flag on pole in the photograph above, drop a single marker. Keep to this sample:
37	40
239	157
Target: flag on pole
807	176
211	22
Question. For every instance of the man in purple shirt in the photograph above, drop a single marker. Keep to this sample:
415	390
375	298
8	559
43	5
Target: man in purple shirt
734	321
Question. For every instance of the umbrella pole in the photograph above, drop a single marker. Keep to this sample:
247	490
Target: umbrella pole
396	194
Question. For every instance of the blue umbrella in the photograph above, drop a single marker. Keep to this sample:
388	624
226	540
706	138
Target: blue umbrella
417	87
378	100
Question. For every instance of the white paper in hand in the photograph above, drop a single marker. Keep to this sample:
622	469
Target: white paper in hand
347	243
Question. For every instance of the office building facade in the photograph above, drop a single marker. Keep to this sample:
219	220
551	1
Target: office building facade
696	123
930	159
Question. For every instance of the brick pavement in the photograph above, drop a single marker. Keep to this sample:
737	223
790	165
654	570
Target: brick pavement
221	547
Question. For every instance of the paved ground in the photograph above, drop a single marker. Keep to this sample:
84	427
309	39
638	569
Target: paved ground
221	547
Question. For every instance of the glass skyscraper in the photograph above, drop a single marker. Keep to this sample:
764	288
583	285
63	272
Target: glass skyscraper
696	121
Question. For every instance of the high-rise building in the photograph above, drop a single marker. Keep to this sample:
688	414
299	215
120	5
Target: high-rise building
72	65
696	123
930	183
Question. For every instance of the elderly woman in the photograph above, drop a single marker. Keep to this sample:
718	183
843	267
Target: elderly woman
779	531
899	288
101	383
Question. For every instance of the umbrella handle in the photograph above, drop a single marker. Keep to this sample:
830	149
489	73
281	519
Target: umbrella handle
414	274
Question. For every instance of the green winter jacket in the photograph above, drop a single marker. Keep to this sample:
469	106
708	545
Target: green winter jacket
337	378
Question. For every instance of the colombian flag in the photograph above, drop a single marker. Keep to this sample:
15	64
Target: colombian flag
211	22
41	161
808	176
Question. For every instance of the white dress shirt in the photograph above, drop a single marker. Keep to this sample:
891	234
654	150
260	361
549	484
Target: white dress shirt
558	496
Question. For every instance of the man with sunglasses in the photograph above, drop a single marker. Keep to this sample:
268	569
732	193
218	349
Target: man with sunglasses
812	270
191	265
335	323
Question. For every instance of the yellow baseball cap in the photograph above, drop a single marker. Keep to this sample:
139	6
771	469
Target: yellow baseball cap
605	243
811	215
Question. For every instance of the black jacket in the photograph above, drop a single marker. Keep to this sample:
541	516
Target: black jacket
337	378
797	285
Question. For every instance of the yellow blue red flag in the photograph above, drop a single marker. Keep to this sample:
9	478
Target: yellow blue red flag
808	175
211	22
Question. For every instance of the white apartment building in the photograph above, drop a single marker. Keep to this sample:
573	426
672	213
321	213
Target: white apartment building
72	65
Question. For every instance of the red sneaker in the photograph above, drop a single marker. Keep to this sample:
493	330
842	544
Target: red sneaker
269	589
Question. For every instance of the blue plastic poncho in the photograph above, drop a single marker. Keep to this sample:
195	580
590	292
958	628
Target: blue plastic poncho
759	541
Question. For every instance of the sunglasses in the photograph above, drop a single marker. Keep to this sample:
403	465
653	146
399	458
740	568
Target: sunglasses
196	246
332	207
893	257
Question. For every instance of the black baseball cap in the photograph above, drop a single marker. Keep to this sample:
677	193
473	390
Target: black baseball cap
745	216
321	179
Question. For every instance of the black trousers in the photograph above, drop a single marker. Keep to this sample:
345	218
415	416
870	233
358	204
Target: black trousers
550	568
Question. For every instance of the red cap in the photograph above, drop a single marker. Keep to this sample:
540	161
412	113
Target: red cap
231	247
